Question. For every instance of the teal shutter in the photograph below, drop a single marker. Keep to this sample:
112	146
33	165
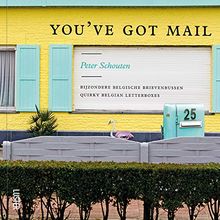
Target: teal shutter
27	77
216	79
60	92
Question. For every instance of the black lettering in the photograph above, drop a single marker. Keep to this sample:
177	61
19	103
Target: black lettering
67	29
55	28
173	31
187	31
205	32
152	29
193	113
143	30
190	114
77	31
197	30
186	111
109	30
128	31
98	28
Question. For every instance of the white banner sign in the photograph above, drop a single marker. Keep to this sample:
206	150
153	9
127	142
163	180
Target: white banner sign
140	78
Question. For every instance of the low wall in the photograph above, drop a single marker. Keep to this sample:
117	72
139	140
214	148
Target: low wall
70	148
91	148
185	150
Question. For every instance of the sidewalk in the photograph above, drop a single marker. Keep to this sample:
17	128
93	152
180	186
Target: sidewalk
134	212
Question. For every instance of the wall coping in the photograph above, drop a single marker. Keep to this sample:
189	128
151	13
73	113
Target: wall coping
109	3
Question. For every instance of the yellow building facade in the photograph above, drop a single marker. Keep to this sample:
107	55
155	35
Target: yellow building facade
117	27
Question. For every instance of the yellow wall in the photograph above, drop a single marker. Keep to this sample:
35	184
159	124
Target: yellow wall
32	26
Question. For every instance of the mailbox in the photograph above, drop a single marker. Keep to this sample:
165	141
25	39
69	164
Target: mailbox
183	120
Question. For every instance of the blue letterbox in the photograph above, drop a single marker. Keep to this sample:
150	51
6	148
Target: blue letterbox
183	120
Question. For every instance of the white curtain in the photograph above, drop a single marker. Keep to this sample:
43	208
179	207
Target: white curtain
7	78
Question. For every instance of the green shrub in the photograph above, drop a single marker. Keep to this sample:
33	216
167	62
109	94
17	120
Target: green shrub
43	123
57	185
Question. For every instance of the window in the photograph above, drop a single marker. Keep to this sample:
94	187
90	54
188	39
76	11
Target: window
140	79
7	77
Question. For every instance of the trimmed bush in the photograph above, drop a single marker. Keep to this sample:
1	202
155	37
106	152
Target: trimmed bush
57	185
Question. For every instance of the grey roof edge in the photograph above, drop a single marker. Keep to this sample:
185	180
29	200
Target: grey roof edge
109	3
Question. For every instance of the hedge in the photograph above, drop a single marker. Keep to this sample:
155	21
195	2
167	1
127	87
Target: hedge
58	185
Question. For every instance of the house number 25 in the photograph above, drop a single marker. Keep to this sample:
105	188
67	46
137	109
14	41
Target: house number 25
190	114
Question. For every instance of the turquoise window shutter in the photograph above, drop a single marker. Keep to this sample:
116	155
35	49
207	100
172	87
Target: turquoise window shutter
27	77
216	79
60	89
